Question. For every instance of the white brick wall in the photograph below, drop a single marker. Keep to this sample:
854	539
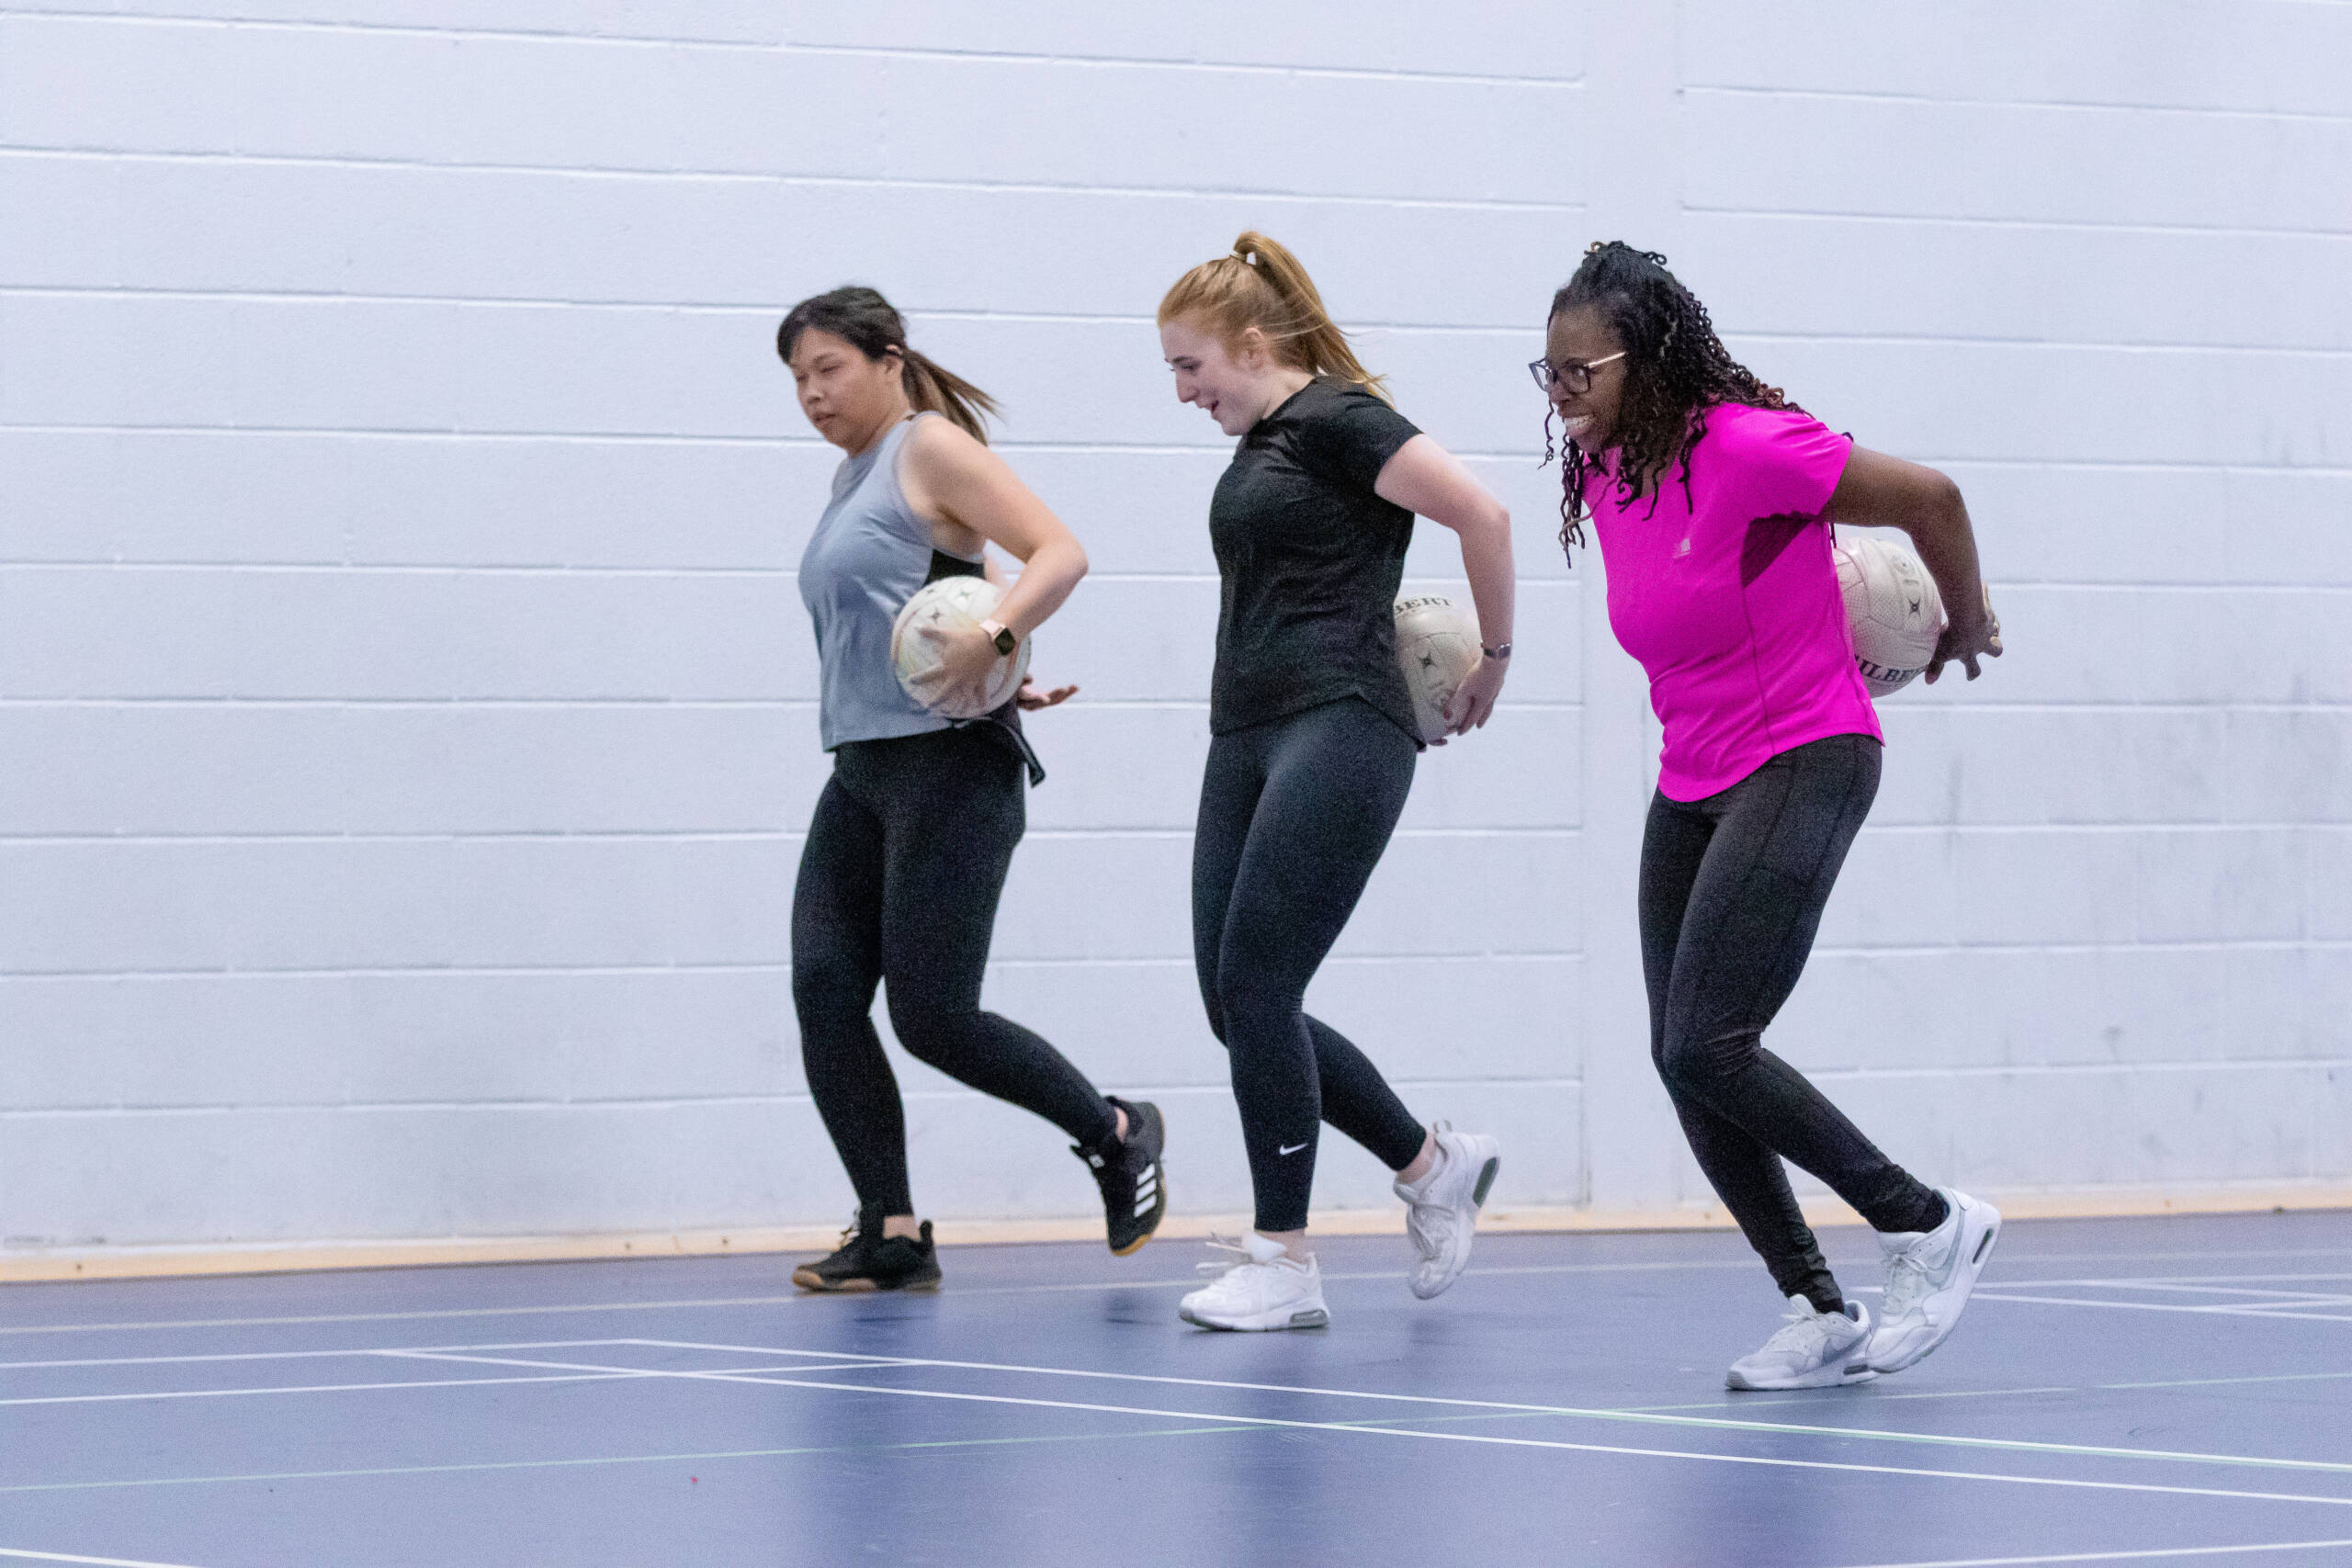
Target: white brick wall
409	707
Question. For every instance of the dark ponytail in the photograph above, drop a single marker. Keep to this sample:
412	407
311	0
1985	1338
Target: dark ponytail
860	317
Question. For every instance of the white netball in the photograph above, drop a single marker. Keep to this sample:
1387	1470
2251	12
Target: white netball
953	601
1892	607
1437	647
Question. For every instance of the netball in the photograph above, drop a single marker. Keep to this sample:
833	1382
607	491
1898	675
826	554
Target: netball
952	600
1893	608
1437	647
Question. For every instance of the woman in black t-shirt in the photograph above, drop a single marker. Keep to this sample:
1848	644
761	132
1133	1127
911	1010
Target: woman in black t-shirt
1312	749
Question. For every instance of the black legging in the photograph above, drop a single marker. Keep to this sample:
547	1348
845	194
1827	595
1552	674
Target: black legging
898	883
1294	813
1732	891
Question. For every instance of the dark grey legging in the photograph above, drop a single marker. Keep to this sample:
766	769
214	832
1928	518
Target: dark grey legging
899	884
1295	814
1731	892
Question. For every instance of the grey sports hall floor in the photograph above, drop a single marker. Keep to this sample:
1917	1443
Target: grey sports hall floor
2123	1391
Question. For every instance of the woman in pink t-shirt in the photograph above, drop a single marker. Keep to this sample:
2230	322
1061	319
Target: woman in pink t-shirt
1711	495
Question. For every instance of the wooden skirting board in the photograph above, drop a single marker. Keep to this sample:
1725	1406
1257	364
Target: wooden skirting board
283	1257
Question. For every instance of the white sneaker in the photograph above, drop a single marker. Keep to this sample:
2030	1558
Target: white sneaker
1264	1289
1813	1349
1442	1209
1928	1275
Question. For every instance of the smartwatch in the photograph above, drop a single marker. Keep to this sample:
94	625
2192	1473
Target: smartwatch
1499	653
1000	635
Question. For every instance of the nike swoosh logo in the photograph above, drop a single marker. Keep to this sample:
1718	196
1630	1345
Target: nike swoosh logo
1291	1150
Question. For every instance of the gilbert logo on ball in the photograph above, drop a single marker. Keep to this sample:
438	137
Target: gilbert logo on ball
1892	607
949	604
1437	647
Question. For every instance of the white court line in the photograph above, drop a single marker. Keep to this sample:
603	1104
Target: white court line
1880	1397
702	1303
2004	1294
2115	1556
1217	1420
758	1378
104	1562
699	1302
2178	1279
2325	1298
472	1353
861	1364
315	1355
1575	1412
1547	1443
580	1371
595	1374
609	1374
2271	1294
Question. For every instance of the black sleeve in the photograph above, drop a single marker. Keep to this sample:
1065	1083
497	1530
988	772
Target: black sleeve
1350	437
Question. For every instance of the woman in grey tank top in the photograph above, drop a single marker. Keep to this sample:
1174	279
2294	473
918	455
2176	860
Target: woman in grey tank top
915	830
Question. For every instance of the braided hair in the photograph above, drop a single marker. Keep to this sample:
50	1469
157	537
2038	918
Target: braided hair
1676	369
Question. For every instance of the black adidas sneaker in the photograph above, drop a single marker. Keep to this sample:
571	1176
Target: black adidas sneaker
1134	1187
868	1261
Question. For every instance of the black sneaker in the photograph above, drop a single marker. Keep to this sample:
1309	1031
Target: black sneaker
1135	1187
868	1261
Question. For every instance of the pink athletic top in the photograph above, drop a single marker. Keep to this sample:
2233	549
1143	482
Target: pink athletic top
1729	599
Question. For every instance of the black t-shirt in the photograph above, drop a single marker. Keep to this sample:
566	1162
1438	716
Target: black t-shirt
1311	559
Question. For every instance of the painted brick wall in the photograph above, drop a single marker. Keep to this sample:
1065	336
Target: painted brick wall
409	704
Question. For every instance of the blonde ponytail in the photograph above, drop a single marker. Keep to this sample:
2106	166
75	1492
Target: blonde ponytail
1261	284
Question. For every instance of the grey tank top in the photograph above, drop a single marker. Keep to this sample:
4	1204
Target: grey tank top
869	554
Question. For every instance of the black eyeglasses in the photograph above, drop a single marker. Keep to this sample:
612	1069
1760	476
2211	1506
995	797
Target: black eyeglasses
1575	377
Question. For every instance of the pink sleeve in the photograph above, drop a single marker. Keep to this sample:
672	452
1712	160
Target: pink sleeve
1779	462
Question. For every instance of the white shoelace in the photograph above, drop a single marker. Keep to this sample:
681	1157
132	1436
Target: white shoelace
1907	1285
1807	1331
1216	1269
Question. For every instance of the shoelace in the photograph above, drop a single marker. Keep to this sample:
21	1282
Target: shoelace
1805	1331
1215	1268
1907	1285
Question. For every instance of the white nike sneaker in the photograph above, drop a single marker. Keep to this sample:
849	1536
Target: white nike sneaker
1263	1289
1813	1349
1442	1209
1928	1275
